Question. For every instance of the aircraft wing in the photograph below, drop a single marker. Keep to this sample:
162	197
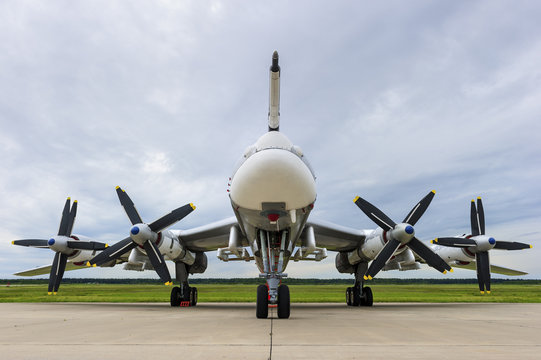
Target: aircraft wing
493	268
209	237
335	237
43	270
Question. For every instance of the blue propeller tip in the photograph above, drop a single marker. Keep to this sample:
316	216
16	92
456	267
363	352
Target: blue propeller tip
135	230
409	229
51	242
492	241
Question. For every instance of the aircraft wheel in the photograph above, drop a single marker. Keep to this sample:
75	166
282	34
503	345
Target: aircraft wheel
193	296
283	302
187	293
348	296
367	298
175	296
356	296
262	305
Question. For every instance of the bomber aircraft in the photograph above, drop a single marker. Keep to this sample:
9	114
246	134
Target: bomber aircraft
272	193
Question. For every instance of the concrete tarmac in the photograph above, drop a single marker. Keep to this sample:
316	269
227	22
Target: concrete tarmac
231	331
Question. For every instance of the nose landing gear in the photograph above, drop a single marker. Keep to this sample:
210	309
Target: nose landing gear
283	302
272	253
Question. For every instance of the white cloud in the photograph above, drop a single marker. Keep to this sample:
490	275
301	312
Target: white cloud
156	164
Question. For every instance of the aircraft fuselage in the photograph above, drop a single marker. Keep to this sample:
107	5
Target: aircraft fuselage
273	190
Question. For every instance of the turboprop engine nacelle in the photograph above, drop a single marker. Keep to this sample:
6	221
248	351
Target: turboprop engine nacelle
367	251
171	247
199	265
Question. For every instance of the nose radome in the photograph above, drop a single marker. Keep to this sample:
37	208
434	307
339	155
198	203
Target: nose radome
273	175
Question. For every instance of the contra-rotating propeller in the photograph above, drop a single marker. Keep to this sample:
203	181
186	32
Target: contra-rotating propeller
400	234
63	244
144	235
479	244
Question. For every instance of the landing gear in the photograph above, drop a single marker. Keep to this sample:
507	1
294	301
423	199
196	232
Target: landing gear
183	295
273	248
366	297
356	297
283	302
175	296
262	307
193	296
359	295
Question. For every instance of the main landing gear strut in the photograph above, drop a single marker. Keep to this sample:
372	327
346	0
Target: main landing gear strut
272	253
184	295
359	295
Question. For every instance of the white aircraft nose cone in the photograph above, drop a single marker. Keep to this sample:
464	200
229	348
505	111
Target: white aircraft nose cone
273	175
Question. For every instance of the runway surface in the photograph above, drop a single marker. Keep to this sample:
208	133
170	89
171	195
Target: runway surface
231	331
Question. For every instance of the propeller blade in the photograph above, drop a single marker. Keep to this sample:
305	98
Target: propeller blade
157	260
481	216
171	218
129	206
511	245
71	218
64	221
57	272
483	271
87	245
419	209
474	219
113	252
376	215
431	258
32	242
454	242
384	255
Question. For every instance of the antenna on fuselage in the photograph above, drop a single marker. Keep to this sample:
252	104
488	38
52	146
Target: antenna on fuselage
274	94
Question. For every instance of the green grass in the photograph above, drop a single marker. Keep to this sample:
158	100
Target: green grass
247	293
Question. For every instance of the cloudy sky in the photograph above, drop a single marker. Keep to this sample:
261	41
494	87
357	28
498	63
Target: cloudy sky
387	100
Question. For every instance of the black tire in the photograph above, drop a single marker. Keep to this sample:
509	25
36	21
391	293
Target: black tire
193	296
284	303
175	296
356	294
187	293
348	296
368	298
262	305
